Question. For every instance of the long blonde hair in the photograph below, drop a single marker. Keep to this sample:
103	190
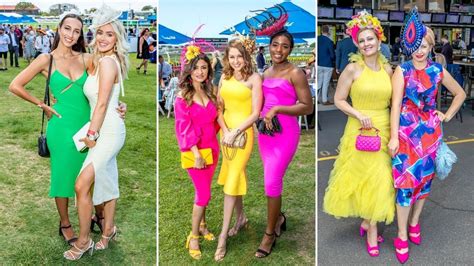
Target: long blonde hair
121	48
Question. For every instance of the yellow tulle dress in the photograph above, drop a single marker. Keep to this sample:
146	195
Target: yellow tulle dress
237	108
361	183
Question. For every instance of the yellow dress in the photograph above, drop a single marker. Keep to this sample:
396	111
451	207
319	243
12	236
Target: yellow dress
237	108
361	184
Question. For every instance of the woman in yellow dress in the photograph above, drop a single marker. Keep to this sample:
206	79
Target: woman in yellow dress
240	97
360	184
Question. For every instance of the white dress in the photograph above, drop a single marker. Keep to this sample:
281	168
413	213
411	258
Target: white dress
111	140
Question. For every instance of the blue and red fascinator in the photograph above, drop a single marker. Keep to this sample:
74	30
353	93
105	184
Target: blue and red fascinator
412	32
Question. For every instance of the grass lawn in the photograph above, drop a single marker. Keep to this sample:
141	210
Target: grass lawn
29	220
176	194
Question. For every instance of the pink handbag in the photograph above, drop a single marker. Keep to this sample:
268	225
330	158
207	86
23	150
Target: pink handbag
368	143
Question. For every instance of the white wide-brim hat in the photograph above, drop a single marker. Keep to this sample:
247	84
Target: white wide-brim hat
104	15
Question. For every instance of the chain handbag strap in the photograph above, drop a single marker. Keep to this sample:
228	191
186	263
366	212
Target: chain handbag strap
46	91
229	152
374	128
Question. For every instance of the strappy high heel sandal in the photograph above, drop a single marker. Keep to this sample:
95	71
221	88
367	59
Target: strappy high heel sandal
101	246
236	229
194	253
263	253
363	231
70	241
283	225
96	220
209	236
219	256
75	255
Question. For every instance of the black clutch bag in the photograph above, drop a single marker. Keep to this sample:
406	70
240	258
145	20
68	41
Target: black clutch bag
261	127
43	150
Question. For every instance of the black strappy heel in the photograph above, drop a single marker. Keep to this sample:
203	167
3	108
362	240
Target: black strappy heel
282	226
70	241
96	221
265	253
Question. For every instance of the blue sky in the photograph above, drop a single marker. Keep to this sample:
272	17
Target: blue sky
185	16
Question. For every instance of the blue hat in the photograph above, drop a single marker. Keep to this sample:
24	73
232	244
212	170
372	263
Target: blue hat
412	32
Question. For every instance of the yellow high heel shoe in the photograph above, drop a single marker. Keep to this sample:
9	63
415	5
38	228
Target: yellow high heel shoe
194	253
209	236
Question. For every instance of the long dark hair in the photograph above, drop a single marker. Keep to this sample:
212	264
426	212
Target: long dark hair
80	45
186	82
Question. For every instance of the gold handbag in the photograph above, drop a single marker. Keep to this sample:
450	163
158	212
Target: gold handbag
187	158
239	142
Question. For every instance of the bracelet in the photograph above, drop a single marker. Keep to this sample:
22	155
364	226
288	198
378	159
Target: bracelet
93	137
91	132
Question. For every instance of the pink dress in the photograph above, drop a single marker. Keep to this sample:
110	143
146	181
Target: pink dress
197	125
277	151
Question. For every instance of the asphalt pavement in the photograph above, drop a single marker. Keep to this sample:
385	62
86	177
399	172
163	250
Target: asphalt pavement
447	220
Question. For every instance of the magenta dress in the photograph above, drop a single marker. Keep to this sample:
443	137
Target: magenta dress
197	125
277	151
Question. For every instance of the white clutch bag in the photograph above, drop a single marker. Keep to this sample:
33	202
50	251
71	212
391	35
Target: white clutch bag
81	146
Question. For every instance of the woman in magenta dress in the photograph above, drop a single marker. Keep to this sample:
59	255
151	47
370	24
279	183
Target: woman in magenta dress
416	128
196	114
286	95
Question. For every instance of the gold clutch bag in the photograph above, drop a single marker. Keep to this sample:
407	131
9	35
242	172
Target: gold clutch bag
187	158
239	142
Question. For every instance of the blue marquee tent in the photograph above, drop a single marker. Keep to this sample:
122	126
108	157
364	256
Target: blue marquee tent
266	40
301	23
13	18
169	36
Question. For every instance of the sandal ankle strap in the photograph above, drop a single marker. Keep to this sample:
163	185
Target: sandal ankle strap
272	234
65	226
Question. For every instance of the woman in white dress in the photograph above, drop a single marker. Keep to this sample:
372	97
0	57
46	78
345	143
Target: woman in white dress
106	134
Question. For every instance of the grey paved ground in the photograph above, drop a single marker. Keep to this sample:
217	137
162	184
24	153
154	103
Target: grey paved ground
447	220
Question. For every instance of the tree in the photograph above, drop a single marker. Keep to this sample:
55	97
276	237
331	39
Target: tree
92	10
145	8
24	5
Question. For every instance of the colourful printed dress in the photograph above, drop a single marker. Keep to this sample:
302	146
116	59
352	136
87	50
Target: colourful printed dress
419	133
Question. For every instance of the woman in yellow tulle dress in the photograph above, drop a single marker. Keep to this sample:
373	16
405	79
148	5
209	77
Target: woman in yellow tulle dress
360	184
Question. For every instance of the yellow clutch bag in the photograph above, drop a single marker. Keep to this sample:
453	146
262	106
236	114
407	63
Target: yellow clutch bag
187	158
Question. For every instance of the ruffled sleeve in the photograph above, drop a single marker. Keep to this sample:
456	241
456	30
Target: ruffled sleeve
185	131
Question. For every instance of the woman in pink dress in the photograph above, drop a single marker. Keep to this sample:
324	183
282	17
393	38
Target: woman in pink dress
196	114
286	95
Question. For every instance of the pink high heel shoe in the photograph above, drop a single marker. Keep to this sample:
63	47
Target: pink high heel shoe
401	244
414	230
362	232
371	250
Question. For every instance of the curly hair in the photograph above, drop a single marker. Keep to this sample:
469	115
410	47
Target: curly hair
186	82
246	70
121	47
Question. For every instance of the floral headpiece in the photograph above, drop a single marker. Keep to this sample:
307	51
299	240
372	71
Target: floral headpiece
362	21
248	41
412	32
193	49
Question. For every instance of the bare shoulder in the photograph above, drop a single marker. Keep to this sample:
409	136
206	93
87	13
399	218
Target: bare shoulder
108	63
255	77
297	72
388	69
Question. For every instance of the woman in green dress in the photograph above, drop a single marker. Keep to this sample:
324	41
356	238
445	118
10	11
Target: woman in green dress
69	113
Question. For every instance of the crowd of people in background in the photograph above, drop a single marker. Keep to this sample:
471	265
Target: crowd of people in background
338	57
28	42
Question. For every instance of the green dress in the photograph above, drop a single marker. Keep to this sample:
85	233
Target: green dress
73	106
